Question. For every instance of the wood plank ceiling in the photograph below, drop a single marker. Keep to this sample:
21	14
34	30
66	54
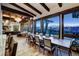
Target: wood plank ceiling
37	10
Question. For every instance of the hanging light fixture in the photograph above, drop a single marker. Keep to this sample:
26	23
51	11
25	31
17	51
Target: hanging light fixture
17	19
31	18
6	22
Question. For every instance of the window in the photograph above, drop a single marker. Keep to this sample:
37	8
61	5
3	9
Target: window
51	26
32	27
25	27
38	26
71	25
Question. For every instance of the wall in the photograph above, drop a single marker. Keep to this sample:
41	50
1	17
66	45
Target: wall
2	40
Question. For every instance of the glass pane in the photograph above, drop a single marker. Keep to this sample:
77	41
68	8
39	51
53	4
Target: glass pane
71	25
25	27
32	27
51	26
38	26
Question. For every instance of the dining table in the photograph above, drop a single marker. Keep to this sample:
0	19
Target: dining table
62	42
66	43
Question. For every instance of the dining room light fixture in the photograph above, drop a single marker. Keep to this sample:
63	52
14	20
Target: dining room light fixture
31	18
18	19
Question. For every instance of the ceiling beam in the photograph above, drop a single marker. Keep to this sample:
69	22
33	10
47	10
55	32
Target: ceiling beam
29	5
22	9
60	4
8	18
14	11
45	7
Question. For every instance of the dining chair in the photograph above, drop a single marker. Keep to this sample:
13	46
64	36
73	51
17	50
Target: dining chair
41	34
27	37
9	41
31	39
14	49
39	43
62	51
48	46
51	35
8	46
37	33
75	46
47	35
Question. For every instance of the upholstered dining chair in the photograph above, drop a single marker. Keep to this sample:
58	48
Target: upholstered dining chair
48	46
38	43
31	39
27	37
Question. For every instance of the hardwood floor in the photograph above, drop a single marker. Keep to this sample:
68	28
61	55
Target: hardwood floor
24	49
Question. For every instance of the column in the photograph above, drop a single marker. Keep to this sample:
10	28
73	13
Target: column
61	26
42	25
35	26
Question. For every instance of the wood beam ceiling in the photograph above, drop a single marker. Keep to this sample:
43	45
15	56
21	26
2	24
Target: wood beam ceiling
60	4
14	11
45	7
33	8
22	9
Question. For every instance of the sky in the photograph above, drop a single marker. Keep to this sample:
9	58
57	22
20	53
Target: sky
68	21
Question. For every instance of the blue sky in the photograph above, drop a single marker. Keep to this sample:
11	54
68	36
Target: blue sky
54	19
68	21
38	23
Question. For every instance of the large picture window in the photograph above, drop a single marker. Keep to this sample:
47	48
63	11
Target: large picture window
51	26
71	25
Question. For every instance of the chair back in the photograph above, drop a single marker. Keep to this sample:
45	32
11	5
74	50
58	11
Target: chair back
47	35
41	34
47	42
14	50
26	35
31	37
51	35
9	41
75	46
37	33
37	39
